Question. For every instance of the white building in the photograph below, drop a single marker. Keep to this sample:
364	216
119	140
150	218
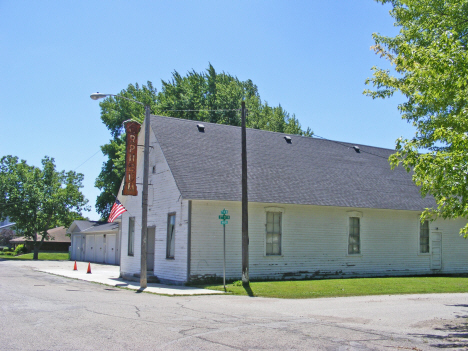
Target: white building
93	241
317	208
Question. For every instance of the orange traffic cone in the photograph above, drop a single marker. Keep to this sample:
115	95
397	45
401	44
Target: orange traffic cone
74	268
89	268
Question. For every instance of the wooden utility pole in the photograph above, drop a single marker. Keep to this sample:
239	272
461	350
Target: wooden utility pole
245	210
144	202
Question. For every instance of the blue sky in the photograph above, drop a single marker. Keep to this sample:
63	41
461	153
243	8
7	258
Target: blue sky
312	57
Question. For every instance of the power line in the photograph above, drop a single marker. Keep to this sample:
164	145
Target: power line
229	110
86	160
12	203
347	146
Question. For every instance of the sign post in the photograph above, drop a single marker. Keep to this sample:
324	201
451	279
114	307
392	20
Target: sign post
224	217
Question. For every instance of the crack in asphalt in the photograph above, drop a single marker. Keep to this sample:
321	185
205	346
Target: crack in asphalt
222	344
210	312
316	321
209	326
137	311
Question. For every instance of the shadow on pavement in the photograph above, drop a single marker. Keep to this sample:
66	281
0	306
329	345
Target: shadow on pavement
456	333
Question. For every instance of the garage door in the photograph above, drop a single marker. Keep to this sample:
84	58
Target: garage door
110	248
89	252
76	248
99	249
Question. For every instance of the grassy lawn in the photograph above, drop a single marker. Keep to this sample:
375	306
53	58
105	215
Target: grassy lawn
44	256
348	287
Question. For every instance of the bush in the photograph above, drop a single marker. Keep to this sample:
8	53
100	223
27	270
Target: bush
20	249
6	249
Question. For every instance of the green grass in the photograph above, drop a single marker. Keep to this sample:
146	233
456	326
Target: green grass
303	289
43	256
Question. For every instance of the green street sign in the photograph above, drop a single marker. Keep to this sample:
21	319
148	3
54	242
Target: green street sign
224	216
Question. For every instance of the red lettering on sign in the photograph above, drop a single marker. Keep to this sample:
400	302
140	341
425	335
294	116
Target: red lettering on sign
132	128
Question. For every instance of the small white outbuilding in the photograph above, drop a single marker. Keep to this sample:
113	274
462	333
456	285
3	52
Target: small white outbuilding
93	241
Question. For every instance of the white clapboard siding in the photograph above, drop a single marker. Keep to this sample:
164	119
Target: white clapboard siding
164	198
315	242
314	238
454	247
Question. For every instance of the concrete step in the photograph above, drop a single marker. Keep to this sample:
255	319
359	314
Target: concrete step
150	278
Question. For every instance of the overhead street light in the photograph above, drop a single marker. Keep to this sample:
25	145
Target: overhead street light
97	96
144	201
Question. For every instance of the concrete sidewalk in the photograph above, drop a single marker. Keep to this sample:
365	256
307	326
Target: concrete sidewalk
105	274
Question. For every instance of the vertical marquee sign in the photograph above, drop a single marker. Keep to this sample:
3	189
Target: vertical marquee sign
132	128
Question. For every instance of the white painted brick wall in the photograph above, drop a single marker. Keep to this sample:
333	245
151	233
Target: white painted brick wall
315	242
164	198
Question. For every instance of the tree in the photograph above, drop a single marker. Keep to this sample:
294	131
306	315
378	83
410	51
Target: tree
6	234
208	96
38	199
431	70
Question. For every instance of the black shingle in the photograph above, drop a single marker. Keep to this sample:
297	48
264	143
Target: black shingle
207	166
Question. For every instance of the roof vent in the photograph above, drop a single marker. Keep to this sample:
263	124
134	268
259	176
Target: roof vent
357	149
288	139
201	128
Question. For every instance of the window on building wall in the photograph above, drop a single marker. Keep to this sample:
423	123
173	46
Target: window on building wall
273	233
354	241
170	248
424	237
131	235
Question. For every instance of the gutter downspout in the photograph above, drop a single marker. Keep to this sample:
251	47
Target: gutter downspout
189	239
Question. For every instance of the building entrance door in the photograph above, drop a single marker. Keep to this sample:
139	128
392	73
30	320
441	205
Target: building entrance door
150	248
436	250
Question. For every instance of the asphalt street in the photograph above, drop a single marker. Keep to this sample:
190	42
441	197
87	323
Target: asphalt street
41	311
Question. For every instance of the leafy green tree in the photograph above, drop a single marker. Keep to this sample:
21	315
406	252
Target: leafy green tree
431	70
6	234
38	199
208	96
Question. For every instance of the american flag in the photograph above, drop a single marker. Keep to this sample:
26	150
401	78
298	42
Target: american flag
117	210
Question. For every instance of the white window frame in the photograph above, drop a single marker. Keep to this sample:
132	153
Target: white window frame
358	215
131	237
428	238
170	244
276	210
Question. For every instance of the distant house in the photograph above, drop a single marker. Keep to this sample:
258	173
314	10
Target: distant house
56	240
317	208
6	224
6	232
94	241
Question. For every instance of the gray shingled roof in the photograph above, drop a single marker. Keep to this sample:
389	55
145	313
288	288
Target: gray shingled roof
95	226
85	224
102	227
207	166
58	235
